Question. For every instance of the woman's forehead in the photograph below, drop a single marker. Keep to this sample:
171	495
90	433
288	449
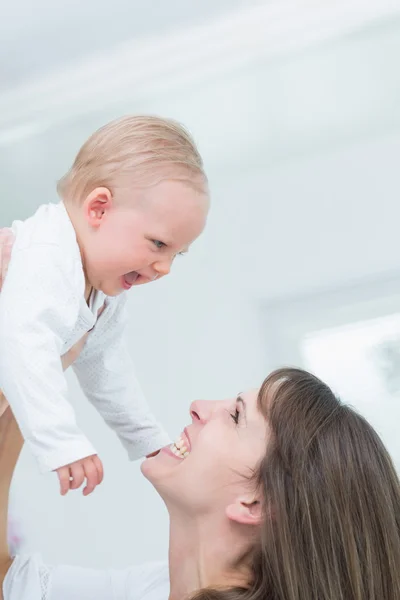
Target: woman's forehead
250	399
255	417
250	395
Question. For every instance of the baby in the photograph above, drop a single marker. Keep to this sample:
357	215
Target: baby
135	197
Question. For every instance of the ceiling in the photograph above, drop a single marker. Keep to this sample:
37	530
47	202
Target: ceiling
256	81
45	36
261	88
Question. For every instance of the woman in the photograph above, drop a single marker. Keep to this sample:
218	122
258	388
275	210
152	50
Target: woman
281	493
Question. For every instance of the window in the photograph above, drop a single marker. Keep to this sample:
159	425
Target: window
351	339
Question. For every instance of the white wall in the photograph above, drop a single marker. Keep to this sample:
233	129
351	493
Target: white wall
324	220
275	232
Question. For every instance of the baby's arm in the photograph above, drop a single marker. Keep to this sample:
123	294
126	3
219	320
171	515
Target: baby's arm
106	375
38	308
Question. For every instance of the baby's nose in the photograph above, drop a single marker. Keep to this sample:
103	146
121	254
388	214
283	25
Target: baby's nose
162	268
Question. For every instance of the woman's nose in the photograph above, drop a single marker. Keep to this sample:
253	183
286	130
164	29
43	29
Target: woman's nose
201	411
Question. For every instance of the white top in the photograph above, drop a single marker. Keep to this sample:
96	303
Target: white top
43	313
30	579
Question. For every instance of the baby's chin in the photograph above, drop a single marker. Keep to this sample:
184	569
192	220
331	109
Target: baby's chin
109	288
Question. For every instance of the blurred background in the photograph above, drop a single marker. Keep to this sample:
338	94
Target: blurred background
295	105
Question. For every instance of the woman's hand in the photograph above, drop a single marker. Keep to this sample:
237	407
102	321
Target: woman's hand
6	243
3	404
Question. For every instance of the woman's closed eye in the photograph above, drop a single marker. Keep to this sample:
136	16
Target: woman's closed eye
239	413
236	416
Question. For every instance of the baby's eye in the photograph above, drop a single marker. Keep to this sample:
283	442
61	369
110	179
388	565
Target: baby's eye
158	244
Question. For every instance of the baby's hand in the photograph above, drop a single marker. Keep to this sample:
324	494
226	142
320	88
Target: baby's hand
72	476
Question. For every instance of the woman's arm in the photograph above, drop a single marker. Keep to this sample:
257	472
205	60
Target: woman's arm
11	443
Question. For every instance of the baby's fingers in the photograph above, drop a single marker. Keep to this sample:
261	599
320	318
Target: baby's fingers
77	474
99	467
64	477
92	476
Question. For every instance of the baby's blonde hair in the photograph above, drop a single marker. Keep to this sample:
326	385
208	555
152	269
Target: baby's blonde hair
145	148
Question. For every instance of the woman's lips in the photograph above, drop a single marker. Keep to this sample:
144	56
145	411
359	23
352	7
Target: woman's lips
153	454
167	450
186	438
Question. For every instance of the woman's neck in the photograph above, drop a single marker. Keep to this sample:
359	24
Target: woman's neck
204	552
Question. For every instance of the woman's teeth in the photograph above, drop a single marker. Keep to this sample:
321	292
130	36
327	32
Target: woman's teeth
179	449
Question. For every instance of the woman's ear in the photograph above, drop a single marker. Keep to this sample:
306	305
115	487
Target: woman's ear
245	510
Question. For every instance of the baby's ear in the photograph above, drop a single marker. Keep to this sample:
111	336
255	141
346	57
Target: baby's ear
97	203
245	510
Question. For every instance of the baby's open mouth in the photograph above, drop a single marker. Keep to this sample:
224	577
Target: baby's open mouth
131	277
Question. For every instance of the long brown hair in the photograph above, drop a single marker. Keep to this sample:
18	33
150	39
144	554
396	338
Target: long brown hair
331	529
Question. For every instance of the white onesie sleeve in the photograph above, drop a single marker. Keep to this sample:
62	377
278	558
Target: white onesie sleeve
30	579
38	311
106	374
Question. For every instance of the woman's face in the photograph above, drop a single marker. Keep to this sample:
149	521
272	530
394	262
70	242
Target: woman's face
215	456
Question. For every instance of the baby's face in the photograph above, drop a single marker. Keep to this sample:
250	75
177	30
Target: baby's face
136	242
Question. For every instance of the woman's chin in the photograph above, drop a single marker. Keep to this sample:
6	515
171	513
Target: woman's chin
150	465
159	464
